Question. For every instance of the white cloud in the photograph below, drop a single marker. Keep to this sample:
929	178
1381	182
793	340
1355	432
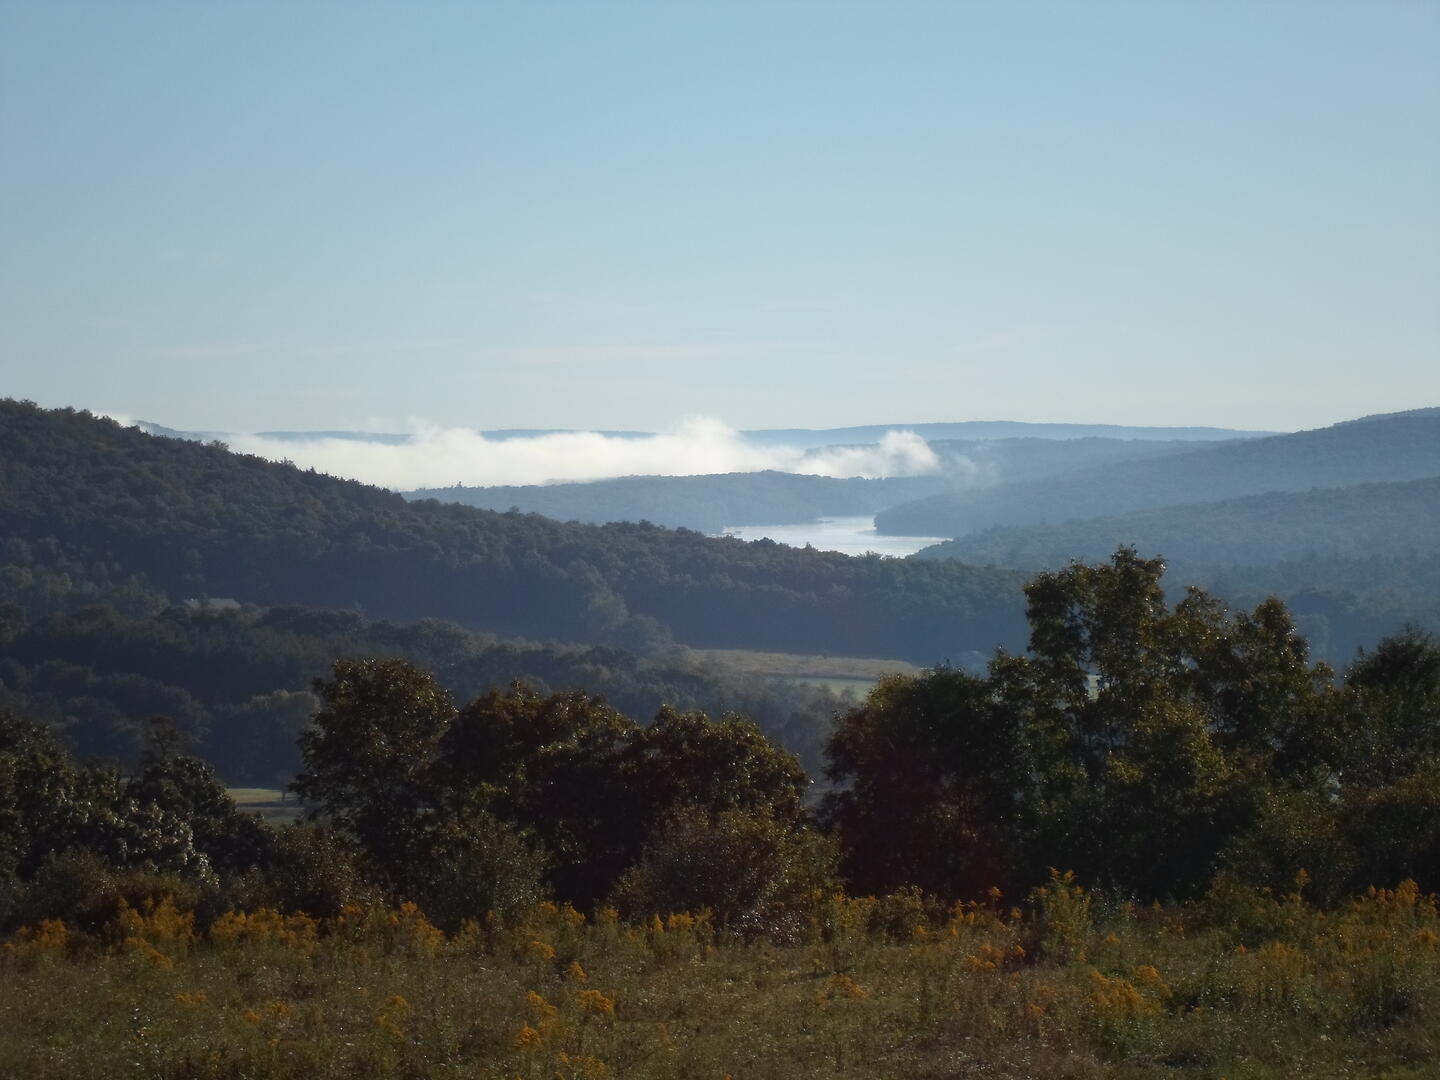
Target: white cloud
436	456
899	453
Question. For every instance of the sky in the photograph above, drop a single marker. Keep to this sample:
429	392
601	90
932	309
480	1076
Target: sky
385	216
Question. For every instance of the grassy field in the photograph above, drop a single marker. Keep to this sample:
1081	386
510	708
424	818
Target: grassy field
839	673
857	687
270	803
1259	987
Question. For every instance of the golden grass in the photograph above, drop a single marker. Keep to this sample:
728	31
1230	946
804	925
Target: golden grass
800	666
247	797
267	802
1263	987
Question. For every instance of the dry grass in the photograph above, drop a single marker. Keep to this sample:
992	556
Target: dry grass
1252	987
256	796
800	666
269	803
840	675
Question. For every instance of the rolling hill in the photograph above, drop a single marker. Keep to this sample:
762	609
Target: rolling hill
712	503
85	501
1393	447
1400	518
707	504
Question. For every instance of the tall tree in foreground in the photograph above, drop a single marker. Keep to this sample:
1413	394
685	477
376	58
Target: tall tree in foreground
464	806
1130	743
373	765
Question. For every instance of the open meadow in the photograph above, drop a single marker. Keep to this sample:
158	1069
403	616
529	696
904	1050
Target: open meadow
836	673
1243	985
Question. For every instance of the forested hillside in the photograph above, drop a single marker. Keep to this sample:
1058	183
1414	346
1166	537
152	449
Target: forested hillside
234	685
1341	604
1364	520
1161	750
91	509
1402	446
706	504
1354	563
502	882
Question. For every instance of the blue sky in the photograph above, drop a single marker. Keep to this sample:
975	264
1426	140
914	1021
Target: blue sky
244	216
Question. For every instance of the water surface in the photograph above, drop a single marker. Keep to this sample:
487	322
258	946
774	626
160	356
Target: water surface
849	535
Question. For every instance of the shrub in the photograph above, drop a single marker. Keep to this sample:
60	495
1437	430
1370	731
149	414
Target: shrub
755	874
85	891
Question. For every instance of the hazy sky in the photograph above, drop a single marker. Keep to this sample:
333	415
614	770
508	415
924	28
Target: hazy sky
242	216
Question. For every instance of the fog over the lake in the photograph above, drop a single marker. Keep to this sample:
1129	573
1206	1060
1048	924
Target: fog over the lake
435	456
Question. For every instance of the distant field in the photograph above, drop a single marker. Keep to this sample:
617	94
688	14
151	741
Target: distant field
858	687
839	673
267	802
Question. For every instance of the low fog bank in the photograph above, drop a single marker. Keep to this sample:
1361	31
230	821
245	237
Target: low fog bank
434	456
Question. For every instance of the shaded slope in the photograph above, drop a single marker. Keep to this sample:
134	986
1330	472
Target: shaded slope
704	503
1384	448
1362	520
710	503
85	497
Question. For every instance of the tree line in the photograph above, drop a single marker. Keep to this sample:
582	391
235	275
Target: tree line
236	684
1157	751
93	511
710	503
1375	449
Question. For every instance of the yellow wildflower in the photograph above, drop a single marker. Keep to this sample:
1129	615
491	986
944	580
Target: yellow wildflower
594	1003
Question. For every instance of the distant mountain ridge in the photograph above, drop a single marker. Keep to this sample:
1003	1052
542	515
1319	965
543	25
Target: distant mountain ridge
82	498
1362	520
803	438
1427	411
710	503
88	508
993	429
1389	447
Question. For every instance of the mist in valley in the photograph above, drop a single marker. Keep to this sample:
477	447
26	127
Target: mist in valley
435	456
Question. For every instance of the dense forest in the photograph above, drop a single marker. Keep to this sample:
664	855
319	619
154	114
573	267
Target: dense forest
156	603
1363	520
1155	750
90	508
96	513
1326	523
1393	447
116	544
234	684
536	884
1353	563
1151	831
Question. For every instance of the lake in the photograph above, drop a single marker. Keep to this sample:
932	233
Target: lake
850	535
